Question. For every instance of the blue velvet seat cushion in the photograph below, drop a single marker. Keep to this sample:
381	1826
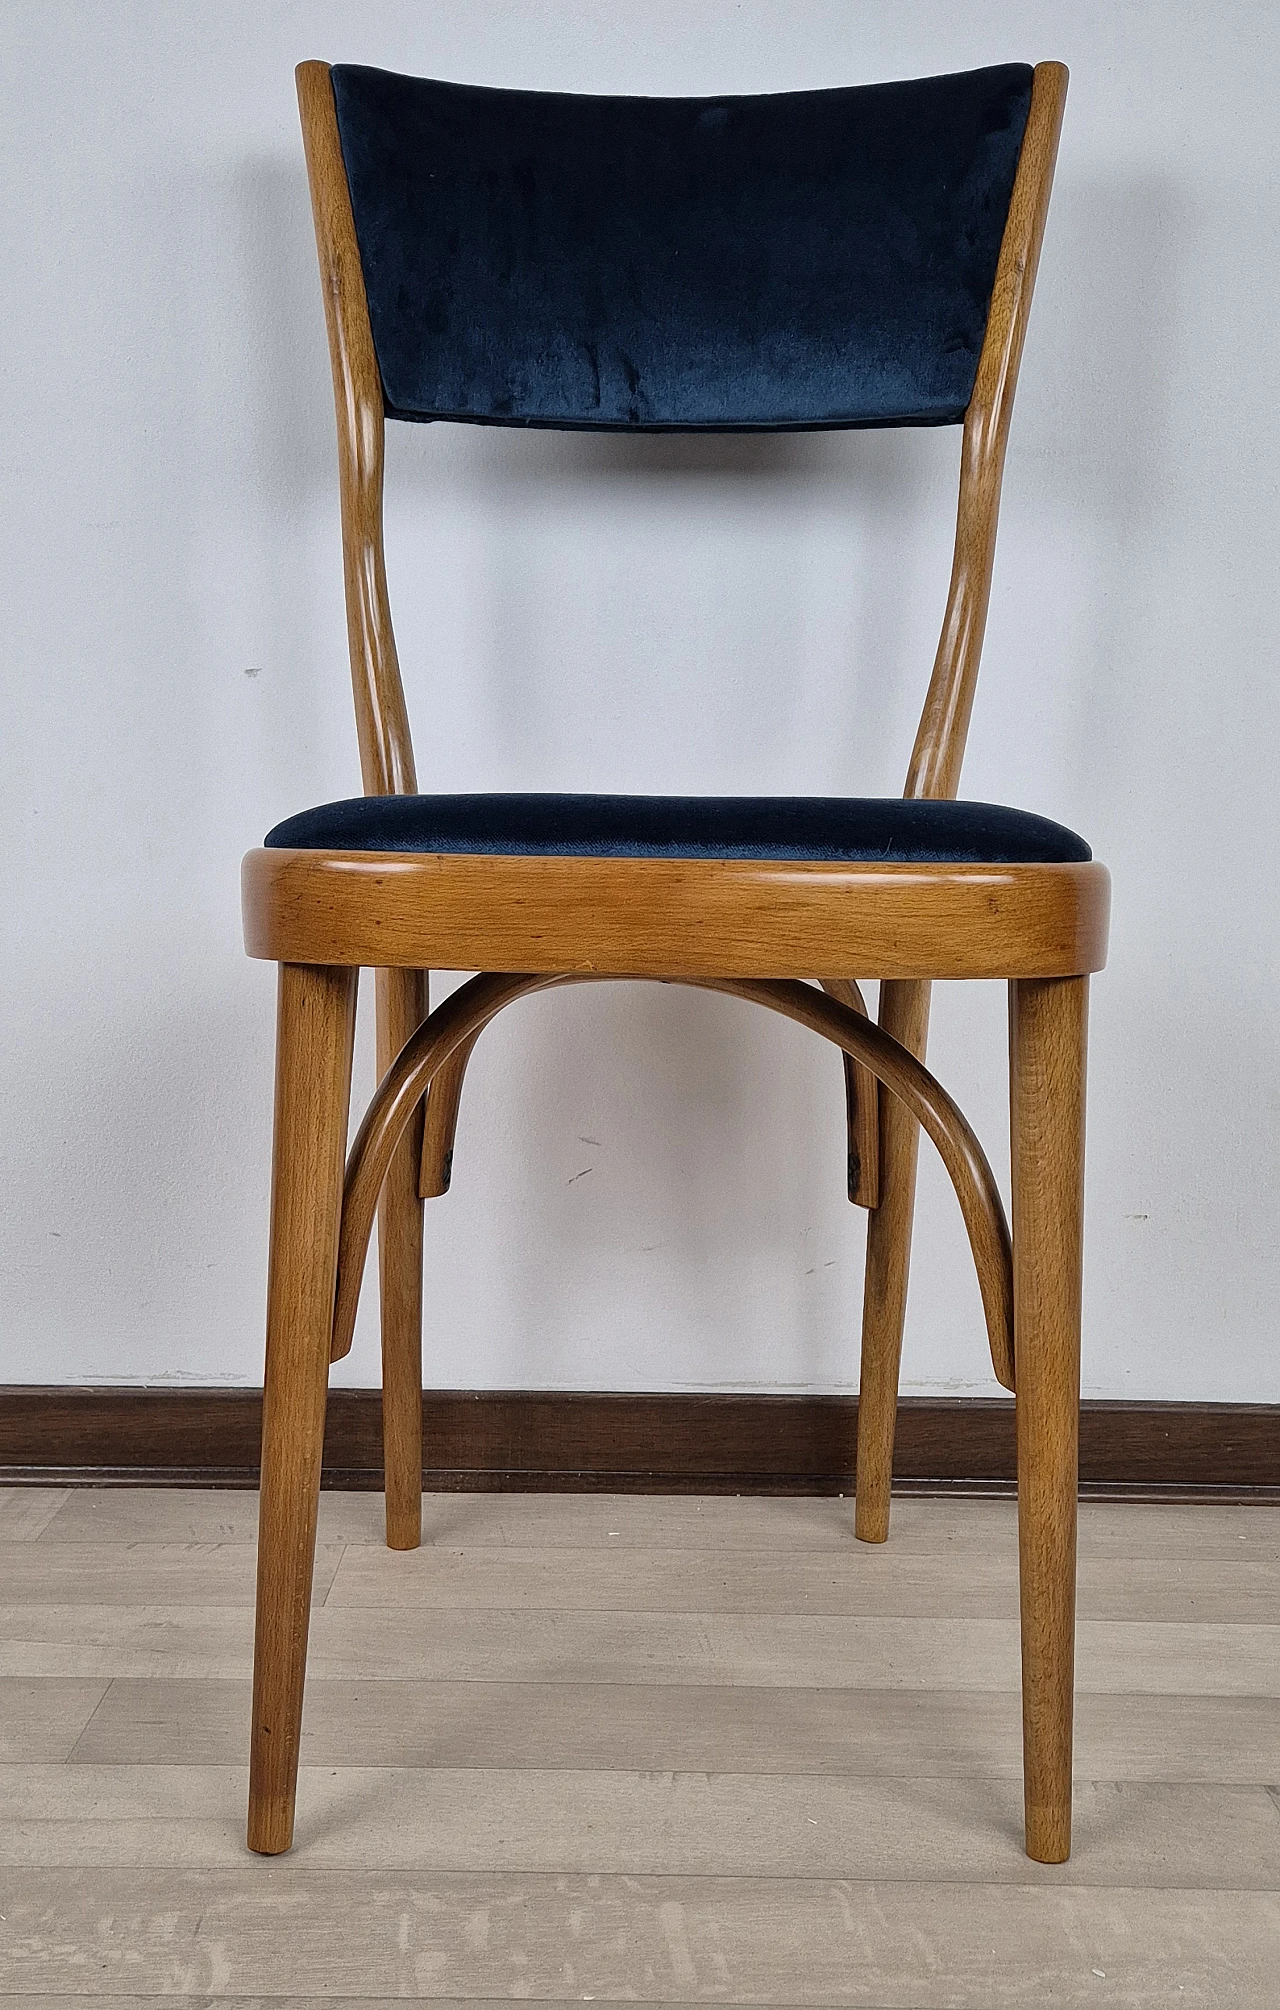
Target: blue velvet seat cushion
804	258
836	828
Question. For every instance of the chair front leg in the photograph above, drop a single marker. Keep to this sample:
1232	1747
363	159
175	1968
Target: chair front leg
315	1028
904	1012
1048	1026
401	1008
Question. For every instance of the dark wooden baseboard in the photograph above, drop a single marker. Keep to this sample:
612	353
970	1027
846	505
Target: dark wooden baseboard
570	1442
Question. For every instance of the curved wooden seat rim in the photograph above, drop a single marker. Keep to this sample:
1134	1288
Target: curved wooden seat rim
674	917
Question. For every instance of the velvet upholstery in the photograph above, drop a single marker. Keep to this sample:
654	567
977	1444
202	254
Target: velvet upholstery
812	258
869	830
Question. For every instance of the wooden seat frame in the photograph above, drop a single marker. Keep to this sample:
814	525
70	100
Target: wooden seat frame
753	928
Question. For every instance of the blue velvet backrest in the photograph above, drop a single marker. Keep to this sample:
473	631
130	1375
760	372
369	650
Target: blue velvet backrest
812	258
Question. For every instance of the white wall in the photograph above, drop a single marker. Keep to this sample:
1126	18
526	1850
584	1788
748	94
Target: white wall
649	1185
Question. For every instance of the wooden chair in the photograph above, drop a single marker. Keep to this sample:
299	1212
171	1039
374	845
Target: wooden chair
835	258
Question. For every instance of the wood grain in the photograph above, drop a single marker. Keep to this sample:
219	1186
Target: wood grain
402	1006
862	1106
386	756
904	1016
444	1101
936	762
314	1038
673	917
1048	1027
382	718
944	723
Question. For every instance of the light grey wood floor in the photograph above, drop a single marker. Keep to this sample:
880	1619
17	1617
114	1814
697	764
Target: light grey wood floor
667	1751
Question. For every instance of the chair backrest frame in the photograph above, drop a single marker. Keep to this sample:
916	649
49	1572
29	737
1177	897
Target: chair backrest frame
382	719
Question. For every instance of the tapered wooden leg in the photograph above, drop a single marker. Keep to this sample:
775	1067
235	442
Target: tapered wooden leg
1048	1026
904	1012
315	1025
402	1006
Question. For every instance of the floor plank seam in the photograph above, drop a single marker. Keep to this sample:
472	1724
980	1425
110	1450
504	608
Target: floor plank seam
342	1550
416	1874
1224	1781
277	1874
85	1728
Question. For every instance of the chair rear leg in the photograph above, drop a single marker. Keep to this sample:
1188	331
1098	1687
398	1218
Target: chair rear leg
402	1006
316	1022
1048	1031
904	1012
